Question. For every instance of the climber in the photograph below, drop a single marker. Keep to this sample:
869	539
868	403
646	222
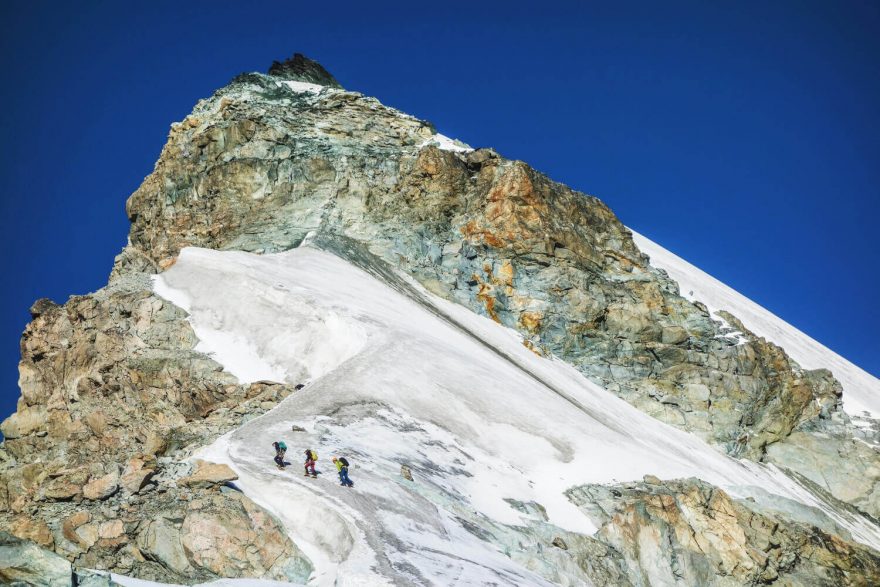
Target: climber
311	457
280	449
342	466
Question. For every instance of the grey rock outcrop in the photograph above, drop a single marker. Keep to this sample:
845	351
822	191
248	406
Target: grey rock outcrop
24	563
687	532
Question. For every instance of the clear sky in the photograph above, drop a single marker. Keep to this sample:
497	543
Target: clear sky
744	137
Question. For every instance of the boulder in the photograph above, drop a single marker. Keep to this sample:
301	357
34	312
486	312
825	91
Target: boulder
159	541
230	536
207	474
102	487
137	473
673	335
34	529
71	524
89	578
24	563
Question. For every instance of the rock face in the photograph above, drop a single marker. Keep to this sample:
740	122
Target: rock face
115	398
687	532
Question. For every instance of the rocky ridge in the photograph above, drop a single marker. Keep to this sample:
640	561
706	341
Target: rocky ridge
116	397
687	532
114	400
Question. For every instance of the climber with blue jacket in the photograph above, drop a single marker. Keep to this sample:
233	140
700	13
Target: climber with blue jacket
342	466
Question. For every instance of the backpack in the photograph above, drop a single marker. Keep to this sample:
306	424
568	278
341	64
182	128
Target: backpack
343	461
282	446
314	456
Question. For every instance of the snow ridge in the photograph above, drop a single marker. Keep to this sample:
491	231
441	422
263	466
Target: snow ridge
861	390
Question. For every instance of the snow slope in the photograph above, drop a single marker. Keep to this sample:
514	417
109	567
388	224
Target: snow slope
861	390
397	376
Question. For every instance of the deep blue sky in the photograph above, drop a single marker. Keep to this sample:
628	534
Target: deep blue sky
745	138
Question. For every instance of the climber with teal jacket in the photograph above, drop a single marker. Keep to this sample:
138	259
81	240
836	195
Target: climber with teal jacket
342	466
280	449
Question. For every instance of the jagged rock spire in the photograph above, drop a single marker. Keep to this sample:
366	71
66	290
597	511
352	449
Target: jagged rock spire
301	68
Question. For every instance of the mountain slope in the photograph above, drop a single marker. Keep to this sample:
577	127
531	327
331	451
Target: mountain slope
501	335
403	377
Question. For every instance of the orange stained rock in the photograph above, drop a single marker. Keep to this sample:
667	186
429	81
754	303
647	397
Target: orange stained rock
484	295
505	273
71	523
28	528
430	160
531	321
532	347
474	232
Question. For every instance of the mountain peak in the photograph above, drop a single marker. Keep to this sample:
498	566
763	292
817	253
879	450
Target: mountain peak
301	68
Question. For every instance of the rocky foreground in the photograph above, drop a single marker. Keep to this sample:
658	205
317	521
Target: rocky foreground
96	469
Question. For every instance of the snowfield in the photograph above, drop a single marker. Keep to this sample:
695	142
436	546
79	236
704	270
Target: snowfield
395	375
861	390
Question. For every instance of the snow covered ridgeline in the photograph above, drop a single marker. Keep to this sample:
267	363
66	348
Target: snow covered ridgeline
396	376
861	389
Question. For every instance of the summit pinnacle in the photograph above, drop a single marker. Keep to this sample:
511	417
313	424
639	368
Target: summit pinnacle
301	68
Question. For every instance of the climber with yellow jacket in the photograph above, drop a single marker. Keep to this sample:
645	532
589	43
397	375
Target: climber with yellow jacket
342	466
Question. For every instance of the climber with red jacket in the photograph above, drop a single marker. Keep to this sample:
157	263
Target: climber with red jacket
311	457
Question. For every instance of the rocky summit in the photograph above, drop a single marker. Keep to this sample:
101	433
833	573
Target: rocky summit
525	395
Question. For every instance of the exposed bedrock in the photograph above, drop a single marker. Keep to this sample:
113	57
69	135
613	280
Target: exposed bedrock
690	533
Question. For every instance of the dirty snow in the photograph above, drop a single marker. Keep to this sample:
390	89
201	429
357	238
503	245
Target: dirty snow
400	376
861	390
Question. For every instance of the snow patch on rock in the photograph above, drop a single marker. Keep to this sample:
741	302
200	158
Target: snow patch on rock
444	143
304	87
